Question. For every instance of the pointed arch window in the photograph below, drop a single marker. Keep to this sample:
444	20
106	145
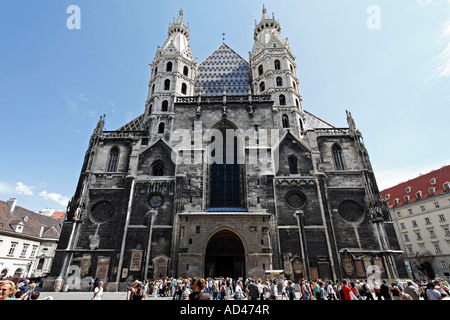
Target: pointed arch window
282	99
262	86
158	169
156	71
113	160
161	127
185	71
167	84
337	157
169	66
293	165
285	121
153	89
260	70
165	105
279	82
184	88
277	65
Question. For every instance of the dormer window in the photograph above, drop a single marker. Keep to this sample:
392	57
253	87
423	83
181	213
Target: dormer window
406	198
388	196
395	201
408	190
419	194
433	181
446	186
432	190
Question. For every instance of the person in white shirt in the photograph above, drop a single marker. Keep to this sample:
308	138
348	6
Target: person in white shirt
98	292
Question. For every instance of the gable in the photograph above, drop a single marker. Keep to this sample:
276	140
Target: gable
224	68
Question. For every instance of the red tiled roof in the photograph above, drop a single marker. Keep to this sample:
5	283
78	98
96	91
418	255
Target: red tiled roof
422	184
58	215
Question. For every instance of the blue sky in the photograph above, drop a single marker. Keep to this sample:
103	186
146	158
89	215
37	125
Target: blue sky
55	83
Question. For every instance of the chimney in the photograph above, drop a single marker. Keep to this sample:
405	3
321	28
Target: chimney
41	232
11	204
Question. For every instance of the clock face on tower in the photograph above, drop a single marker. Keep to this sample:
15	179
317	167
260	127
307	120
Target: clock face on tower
155	201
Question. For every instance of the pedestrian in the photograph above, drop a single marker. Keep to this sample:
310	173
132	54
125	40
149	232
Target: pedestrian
355	291
346	290
239	293
385	291
366	291
137	291
223	290
439	288
432	293
198	286
291	290
376	289
395	291
331	294
411	290
91	284
274	290
98	292
253	290
7	290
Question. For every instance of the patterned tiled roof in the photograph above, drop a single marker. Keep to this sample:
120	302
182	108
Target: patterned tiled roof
224	68
134	125
313	122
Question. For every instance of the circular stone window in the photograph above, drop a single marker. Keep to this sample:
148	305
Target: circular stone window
351	211
102	211
295	200
155	201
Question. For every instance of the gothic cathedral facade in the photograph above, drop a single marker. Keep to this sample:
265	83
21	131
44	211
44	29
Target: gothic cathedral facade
225	174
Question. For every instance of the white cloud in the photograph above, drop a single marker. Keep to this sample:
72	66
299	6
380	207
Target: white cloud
23	189
424	3
62	200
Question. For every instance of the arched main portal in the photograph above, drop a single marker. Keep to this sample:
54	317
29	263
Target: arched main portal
225	256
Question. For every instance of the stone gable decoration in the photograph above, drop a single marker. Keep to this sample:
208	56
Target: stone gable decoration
166	196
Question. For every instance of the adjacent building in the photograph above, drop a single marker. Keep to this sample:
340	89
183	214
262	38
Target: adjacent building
420	210
28	241
226	174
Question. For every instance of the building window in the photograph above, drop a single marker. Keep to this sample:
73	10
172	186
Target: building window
406	237
436	204
402	226
432	235
388	196
447	231
441	218
410	250
12	248
414	223
260	70
33	251
422	208
443	264
433	181
113	160
419	237
277	65
156	71
395	201
406	198
279	82
446	186
427	221
24	250
282	100
437	248
158	169
285	121
153	89
165	106
419	195
161	127
186	71
262	86
169	67
410	211
40	264
293	167
167	84
337	157
408	190
184	88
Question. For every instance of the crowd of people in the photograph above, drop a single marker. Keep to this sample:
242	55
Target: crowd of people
221	288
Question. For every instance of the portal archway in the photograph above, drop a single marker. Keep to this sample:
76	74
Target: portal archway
225	255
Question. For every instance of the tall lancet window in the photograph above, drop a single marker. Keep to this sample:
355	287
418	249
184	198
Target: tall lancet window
337	157
282	99
293	165
113	160
285	121
169	67
225	171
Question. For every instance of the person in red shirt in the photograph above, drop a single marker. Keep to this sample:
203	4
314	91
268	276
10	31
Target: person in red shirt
346	290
